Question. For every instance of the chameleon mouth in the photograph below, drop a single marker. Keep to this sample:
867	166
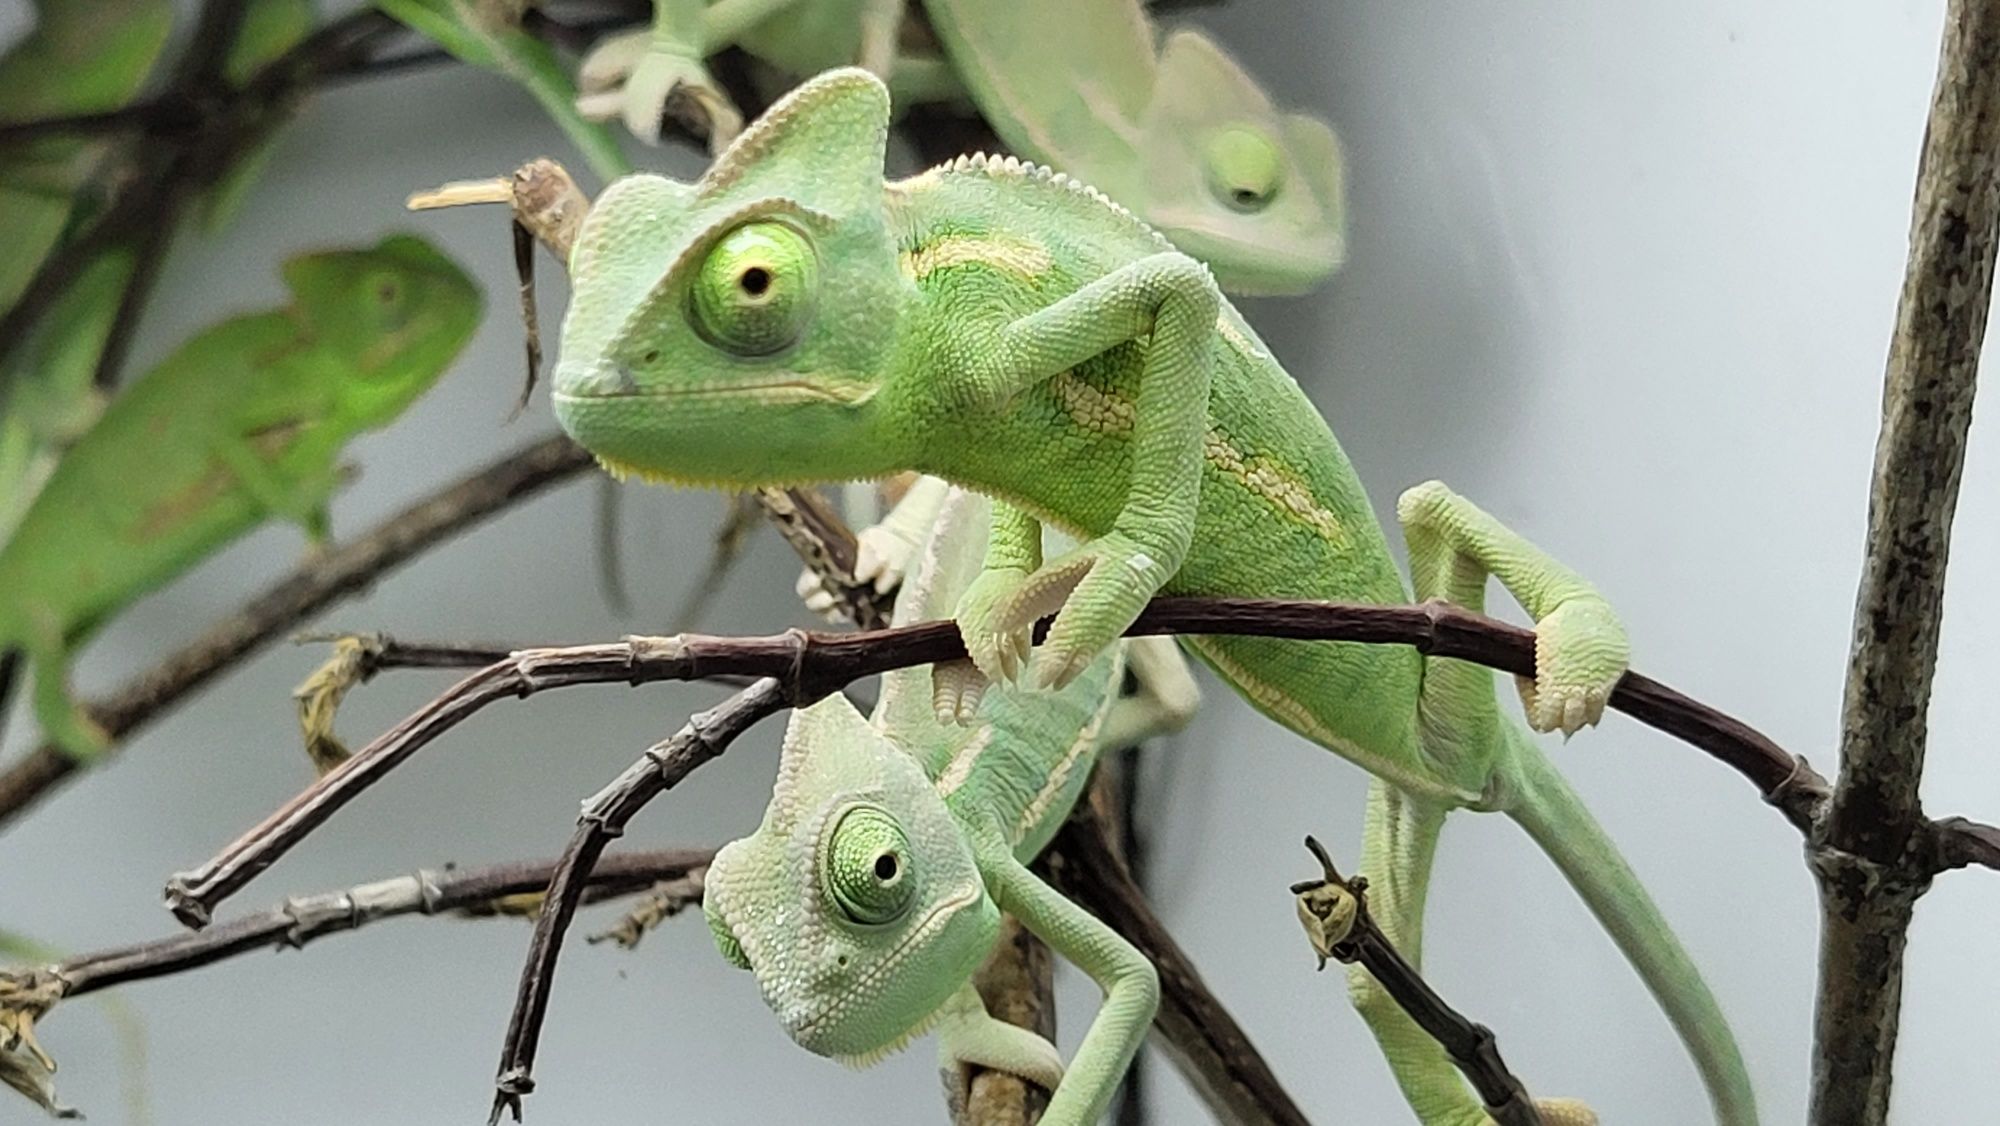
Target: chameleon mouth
771	391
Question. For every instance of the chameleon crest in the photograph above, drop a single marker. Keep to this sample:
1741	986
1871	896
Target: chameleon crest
894	917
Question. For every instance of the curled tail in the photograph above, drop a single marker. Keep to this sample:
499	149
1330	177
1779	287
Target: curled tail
1544	805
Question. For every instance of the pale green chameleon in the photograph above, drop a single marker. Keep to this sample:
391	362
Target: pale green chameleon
872	890
243	423
791	318
1177	132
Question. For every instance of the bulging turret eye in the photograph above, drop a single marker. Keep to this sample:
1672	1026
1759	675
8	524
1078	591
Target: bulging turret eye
1245	169
867	866
755	291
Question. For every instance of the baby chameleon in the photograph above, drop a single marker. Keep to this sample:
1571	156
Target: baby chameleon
243	423
873	888
791	318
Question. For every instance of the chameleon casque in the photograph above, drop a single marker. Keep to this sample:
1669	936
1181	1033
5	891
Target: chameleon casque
243	423
791	318
1176	131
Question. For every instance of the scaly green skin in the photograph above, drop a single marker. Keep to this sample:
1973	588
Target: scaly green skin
1177	132
242	424
791	318
873	888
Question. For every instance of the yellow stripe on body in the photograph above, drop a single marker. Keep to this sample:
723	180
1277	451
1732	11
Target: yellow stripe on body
1008	254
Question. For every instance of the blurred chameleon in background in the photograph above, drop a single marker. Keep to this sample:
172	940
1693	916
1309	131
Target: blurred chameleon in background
1177	132
243	423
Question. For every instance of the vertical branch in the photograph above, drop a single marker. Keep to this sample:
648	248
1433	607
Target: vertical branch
1872	853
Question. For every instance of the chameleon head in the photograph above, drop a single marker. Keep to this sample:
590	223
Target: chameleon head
735	330
1255	193
392	315
857	902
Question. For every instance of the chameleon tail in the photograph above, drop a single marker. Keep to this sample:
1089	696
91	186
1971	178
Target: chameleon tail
1543	804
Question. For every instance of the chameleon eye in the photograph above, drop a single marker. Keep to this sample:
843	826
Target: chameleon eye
1244	169
755	290
868	866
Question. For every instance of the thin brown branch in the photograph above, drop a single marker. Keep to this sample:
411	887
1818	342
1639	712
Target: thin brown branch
1335	913
664	764
810	665
1875	852
280	607
1205	1043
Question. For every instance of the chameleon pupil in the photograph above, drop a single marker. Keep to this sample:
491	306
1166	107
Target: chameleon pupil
885	867
755	281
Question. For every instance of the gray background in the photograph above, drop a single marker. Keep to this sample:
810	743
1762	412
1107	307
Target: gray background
1623	274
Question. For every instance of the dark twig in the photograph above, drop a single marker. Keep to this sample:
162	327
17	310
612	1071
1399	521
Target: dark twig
1335	914
813	664
1205	1043
1875	851
706	736
316	584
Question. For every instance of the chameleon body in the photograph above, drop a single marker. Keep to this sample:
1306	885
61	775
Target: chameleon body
1176	131
791	318
241	424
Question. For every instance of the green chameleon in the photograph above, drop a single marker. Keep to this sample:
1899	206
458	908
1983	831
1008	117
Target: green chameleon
873	888
243	423
791	318
1177	132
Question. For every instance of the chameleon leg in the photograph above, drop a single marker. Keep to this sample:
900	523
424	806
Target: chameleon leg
632	76
1580	648
968	1034
302	500
1131	985
63	721
1101	585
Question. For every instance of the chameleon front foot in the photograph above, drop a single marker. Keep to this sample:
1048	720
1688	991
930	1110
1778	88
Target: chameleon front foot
1094	590
631	77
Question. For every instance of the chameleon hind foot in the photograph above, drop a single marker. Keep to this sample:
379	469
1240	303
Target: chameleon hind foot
631	77
883	554
1580	653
